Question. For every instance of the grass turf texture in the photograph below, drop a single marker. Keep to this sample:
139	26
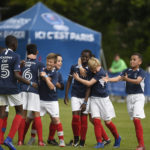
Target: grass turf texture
123	123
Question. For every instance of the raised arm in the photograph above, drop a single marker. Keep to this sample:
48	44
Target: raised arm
48	81
115	79
85	82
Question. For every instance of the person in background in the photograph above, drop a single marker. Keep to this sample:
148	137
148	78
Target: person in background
118	65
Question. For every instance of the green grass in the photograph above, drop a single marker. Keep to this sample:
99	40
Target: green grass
122	121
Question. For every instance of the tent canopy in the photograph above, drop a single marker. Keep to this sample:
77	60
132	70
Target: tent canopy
51	32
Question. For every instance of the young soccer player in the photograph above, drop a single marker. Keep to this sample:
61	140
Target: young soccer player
5	117
78	93
59	85
100	104
52	129
31	100
9	93
134	78
48	95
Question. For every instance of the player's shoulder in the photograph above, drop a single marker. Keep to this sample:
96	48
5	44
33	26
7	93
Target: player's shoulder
75	66
15	55
127	70
39	63
102	71
142	71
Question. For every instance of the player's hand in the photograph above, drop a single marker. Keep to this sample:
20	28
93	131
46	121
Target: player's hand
125	77
43	74
83	107
76	76
82	72
106	79
66	100
35	85
22	63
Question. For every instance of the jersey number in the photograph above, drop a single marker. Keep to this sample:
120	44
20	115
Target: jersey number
4	71
27	74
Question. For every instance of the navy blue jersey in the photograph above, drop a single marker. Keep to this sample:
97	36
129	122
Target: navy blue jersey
60	78
9	62
134	88
78	89
99	89
31	71
45	93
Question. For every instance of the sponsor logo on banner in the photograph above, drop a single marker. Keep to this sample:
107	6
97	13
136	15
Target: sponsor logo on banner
17	34
15	23
55	21
50	35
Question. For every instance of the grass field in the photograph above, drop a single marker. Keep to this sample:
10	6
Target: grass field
123	123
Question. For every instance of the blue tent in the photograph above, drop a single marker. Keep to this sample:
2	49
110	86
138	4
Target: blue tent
52	33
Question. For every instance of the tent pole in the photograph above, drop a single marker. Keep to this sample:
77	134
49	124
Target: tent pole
103	60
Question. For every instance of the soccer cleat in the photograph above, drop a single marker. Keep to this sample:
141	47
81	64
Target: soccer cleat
52	142
76	143
99	145
8	143
62	143
20	143
117	142
106	142
41	143
82	143
140	148
31	141
70	143
1	148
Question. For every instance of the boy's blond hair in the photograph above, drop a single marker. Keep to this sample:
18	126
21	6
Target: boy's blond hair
52	56
93	63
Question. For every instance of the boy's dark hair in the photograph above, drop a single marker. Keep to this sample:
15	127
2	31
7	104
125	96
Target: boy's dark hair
11	41
138	54
58	55
31	49
87	51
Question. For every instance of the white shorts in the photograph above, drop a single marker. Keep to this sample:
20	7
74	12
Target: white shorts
12	100
102	107
31	101
76	104
50	107
135	105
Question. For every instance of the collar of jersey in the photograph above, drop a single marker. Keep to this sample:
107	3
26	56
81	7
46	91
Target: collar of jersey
134	70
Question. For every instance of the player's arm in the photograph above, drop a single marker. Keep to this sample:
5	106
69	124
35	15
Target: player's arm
85	82
21	79
134	81
87	94
81	69
69	81
48	81
60	86
115	79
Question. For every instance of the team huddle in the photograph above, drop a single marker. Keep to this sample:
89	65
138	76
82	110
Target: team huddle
31	87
